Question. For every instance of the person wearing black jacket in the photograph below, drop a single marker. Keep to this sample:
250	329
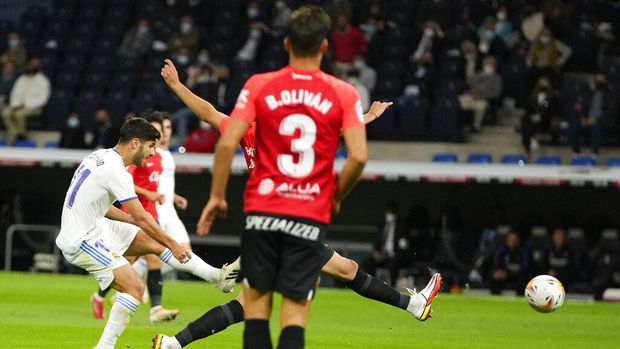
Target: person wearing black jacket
542	115
511	265
560	259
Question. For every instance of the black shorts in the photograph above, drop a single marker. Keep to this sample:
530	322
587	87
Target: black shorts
283	254
326	254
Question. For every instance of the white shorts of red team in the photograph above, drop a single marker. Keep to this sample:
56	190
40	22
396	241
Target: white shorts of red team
172	225
103	251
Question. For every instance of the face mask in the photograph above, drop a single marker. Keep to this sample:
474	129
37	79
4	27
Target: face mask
13	43
280	5
359	63
32	71
429	32
203	59
545	39
204	78
182	59
73	122
253	13
600	85
255	34
186	27
488	69
143	29
501	15
489	34
369	30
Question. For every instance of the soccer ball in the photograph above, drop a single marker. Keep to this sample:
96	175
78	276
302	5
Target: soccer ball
544	293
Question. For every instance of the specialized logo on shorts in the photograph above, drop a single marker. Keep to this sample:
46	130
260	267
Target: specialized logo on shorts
266	186
286	226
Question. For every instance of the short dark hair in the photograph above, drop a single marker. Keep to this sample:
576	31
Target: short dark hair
307	28
164	115
153	116
138	128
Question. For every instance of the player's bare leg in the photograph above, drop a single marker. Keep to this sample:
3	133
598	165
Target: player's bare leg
130	287
154	284
223	279
293	316
97	299
257	313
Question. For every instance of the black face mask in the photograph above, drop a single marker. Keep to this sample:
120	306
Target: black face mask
601	86
32	71
543	89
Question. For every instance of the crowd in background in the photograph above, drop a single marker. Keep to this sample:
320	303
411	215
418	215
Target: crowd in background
452	66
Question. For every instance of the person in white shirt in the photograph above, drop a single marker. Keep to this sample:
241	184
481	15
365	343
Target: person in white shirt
28	97
96	236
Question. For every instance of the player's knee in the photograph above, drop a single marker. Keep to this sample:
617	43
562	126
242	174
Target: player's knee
350	269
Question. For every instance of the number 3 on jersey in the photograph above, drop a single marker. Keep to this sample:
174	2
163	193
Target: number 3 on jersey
303	146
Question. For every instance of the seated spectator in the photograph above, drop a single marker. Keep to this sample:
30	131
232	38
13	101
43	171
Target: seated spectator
542	115
503	27
72	134
430	41
511	265
560	259
347	42
470	55
105	135
137	41
367	76
387	248
15	51
187	37
594	119
182	58
202	139
353	78
547	55
489	43
370	24
250	46
605	267
422	75
484	87
29	95
281	14
8	75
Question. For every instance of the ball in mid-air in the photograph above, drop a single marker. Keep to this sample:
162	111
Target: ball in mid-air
544	293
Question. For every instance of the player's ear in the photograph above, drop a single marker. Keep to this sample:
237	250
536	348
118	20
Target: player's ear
135	144
324	46
287	44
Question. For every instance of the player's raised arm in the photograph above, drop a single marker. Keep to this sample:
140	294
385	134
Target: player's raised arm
202	108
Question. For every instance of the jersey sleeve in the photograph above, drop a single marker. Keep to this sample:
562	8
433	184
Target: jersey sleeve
245	108
352	113
120	184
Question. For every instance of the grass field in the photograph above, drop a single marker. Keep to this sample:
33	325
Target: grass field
47	311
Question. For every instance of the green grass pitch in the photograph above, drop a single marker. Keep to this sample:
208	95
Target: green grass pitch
53	311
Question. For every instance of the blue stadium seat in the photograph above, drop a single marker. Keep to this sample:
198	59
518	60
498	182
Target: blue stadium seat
445	125
480	158
613	162
552	160
514	159
72	61
51	145
86	104
58	108
585	161
2	143
66	79
412	115
96	79
446	157
24	143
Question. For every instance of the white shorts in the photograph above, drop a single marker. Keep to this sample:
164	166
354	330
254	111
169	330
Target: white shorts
172	225
103	251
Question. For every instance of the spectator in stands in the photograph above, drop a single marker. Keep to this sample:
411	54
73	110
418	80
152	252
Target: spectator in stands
367	75
202	139
503	27
386	249
137	40
187	37
105	135
370	24
489	43
547	55
347	42
353	77
421	77
29	95
484	87
470	55
594	119
430	41
542	115
560	259
511	265
250	47
72	134
8	75
182	57
336	8
281	15
15	51
439	11
605	267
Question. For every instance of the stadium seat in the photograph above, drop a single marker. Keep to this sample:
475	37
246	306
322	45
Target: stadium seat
613	162
51	145
446	157
412	115
480	158
585	161
549	160
445	125
24	143
2	143
539	239
514	159
58	108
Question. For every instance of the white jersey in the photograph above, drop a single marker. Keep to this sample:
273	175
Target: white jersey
166	185
99	181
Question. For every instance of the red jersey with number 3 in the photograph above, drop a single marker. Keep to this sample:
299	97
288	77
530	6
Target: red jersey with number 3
147	177
299	116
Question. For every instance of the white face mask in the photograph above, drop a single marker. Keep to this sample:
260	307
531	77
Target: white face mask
545	39
429	32
501	15
186	27
183	59
488	69
203	59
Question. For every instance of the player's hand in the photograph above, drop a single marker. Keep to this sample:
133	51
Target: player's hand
214	208
376	110
181	253
170	74
156	197
180	201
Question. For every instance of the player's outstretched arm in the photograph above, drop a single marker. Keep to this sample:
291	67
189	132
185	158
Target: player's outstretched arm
224	152
203	109
146	222
376	110
151	195
118	215
357	156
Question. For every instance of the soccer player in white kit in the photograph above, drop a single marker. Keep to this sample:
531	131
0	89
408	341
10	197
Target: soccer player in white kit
96	236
